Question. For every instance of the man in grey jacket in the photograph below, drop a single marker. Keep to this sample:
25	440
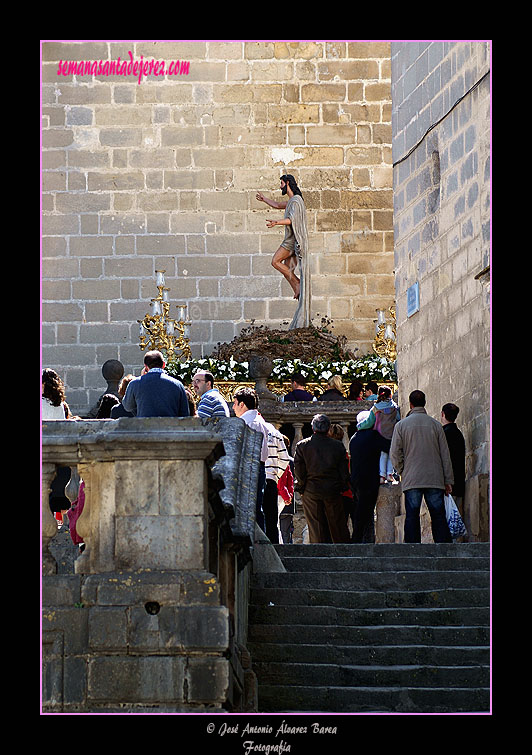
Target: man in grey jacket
420	453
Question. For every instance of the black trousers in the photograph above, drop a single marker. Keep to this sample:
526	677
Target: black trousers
363	520
260	497
271	512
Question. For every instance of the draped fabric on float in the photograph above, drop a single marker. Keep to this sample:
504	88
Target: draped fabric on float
297	214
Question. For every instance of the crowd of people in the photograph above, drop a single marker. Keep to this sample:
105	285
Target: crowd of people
336	487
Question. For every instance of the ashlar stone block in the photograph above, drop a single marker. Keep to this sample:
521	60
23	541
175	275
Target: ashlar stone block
165	542
182	488
133	679
138	485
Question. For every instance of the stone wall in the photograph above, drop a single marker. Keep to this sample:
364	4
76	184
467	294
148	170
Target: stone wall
155	617
164	173
442	240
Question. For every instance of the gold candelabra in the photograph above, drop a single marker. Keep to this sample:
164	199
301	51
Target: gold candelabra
385	343
158	331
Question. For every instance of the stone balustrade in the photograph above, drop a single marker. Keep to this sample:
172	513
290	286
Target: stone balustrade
297	414
155	617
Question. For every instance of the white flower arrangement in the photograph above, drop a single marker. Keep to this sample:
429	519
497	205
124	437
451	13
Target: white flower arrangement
368	367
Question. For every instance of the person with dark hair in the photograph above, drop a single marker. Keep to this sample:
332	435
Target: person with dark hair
245	406
106	403
336	431
365	449
211	403
355	391
155	393
274	460
419	452
54	406
53	403
118	410
370	391
294	247
322	473
457	449
298	392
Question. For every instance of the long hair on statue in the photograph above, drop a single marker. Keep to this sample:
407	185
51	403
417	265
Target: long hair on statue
291	181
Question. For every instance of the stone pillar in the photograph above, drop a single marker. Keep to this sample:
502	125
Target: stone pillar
345	439
48	522
298	435
387	509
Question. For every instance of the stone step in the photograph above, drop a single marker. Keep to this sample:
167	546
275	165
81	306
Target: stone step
420	550
371	580
384	563
316	615
330	700
450	598
398	635
365	655
341	675
398	627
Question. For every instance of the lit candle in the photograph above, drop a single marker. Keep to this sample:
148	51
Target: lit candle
160	277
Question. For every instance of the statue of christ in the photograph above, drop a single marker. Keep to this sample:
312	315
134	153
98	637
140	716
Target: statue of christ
294	247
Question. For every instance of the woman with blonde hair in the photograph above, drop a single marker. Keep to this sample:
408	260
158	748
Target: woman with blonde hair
334	391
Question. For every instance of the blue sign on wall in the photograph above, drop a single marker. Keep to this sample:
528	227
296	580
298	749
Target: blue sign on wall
412	299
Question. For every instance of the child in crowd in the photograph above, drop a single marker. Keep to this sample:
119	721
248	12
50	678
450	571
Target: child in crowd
383	417
285	501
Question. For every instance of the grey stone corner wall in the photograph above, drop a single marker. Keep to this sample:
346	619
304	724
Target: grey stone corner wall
441	153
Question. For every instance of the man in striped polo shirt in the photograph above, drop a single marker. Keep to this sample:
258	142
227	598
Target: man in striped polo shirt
211	403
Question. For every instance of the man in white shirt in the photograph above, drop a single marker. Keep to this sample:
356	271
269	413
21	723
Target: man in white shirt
274	460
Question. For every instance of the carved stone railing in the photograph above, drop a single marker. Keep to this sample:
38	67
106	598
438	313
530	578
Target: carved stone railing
155	616
300	413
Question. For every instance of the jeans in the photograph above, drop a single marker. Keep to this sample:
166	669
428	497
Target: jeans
385	465
436	507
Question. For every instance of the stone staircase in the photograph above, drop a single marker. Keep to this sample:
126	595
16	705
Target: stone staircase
373	628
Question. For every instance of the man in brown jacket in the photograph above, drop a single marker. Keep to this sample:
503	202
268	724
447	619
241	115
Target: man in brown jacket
419	452
322	474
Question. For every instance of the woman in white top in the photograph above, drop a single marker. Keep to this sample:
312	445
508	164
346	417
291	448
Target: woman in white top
54	406
53	396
